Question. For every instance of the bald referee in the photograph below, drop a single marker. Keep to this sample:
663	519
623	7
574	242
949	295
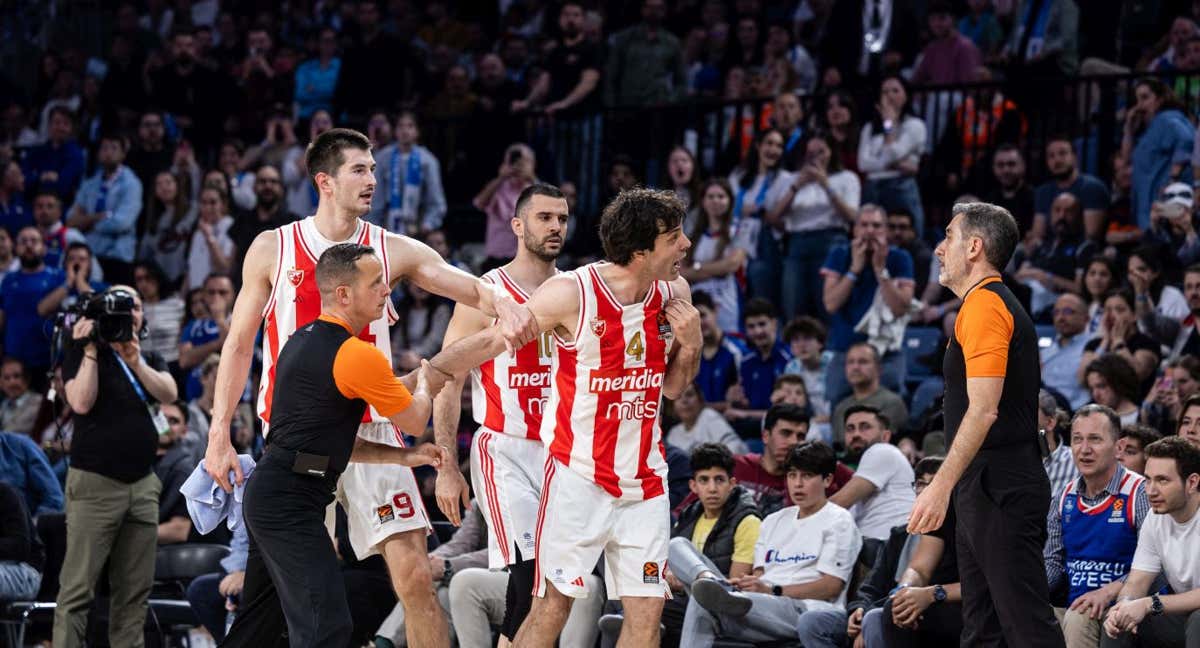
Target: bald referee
994	467
325	378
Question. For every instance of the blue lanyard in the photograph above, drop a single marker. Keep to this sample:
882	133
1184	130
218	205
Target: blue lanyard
791	143
412	176
133	381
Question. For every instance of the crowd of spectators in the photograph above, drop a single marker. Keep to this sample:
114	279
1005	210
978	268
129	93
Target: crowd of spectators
153	158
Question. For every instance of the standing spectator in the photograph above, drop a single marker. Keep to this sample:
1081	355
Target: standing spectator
9	263
805	337
316	79
173	464
57	165
1131	448
264	92
755	183
211	249
713	261
359	87
107	208
862	370
700	424
1059	465
170	219
112	493
949	57
498	201
238	184
1065	177
204	336
1119	335
1113	384
1158	140
162	310
268	212
821	199
645	62
26	331
841	122
194	95
1062	358
863	39
1043	44
150	153
853	288
685	173
1013	193
408	195
572	69
301	194
980	25
889	151
14	209
720	355
20	406
21	552
902	234
880	495
788	116
25	467
750	398
1057	265
279	139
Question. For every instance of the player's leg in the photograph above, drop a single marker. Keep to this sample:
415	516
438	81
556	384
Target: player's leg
634	558
408	564
642	617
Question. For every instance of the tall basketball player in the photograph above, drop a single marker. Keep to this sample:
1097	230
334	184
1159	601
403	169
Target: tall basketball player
382	502
509	393
626	335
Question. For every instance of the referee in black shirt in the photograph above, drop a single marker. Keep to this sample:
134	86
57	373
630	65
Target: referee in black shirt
325	378
994	469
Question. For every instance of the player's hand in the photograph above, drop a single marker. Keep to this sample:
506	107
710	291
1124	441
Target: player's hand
517	323
451	489
232	584
220	459
1092	604
425	454
685	322
432	377
854	623
929	511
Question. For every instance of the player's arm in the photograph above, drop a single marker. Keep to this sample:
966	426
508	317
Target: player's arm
236	355
361	371
426	268
684	362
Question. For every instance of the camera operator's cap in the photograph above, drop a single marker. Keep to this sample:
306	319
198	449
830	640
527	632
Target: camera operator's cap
1178	193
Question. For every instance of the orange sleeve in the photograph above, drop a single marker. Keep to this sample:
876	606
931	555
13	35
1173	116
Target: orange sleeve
361	371
984	329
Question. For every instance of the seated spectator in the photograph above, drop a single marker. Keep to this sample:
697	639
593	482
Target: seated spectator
1167	544
26	330
421	327
267	210
1061	358
1100	278
19	406
1172	222
1156	300
751	396
205	336
720	355
1164	403
168	223
213	596
106	209
409	198
902	234
764	474
802	562
1086	554
498	200
1189	421
700	424
862	369
239	184
1113	384
1059	465
881	490
713	262
47	217
151	151
1057	265
25	467
1131	447
21	553
301	194
1187	340
14	209
1013	193
1065	177
162	311
1158	141
949	57
787	115
199	409
1120	336
790	389
172	467
77	262
477	605
58	165
212	248
889	151
867	279
805	337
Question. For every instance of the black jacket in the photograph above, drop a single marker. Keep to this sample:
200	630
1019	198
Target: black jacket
872	592
718	546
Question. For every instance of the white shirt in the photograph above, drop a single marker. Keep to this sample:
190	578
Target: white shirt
889	471
876	156
1172	304
794	551
710	427
199	262
723	290
811	207
1167	546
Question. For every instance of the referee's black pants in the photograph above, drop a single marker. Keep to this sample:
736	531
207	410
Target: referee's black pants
291	564
1001	502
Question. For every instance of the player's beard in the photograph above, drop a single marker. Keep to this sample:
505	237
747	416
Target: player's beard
538	248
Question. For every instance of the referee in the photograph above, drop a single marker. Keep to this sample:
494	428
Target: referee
325	379
994	467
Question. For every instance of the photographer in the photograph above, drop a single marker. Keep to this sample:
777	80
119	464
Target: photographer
112	492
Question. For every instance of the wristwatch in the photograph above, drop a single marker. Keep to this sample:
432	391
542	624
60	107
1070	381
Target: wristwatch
777	590
1156	606
447	572
939	594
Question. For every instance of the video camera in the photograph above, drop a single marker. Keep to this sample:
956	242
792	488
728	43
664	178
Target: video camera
111	310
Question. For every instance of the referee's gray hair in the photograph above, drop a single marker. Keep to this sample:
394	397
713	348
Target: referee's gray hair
338	266
992	223
1114	421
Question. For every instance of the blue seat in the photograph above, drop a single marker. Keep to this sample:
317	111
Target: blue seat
920	341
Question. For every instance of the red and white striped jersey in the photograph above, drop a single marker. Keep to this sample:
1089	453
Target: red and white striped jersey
608	390
295	300
510	392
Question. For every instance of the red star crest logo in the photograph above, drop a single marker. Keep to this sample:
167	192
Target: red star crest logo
295	276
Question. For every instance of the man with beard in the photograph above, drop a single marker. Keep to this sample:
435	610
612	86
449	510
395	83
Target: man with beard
58	165
862	373
190	91
1013	193
882	482
1057	265
572	68
1065	177
106	209
269	212
26	335
509	393
645	62
151	152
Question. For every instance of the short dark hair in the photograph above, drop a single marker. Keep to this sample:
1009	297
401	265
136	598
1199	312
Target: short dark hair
61	110
902	212
157	274
870	347
712	455
702	298
759	307
47	192
884	421
7	360
1186	455
183	410
1114	421
1195	267
634	219
786	412
325	154
995	225
803	326
812	457
928	465
535	189
790	379
1143	433
217	275
1125	294
338	266
77	245
1118	373
1009	147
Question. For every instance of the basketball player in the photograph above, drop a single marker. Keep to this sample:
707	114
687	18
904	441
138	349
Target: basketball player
382	503
508	393
626	335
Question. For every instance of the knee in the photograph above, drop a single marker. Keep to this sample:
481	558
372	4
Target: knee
413	579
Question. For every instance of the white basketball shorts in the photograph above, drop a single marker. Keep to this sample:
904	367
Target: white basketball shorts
507	473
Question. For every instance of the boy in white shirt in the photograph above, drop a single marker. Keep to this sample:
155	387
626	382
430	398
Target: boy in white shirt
803	561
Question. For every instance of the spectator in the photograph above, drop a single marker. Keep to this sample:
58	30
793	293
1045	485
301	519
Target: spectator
498	200
980	25
1043	44
1189	421
162	309
1183	29
1091	194
1113	384
409	197
853	289
787	115
802	562
358	89
949	57
781	46
239	185
421	327
26	330
199	409
1059	465
150	153
700	424
57	165
1179	381
841	122
317	78
684	172
24	467
1119	336
1056	266
755	183
862	370
863	39
21	553
9	263
172	467
902	234
204	336
210	594
889	152
764	475
168	223
1062	357
14	210
572	68
269	212
1123	231
301	194
714	259
805	337
751	396
720	355
1156	301
821	199
1166	544
279	139
78	260
20	406
1012	192
1158	140
1172	222
211	250
1099	279
645	62
1131	447
195	95
881	492
106	209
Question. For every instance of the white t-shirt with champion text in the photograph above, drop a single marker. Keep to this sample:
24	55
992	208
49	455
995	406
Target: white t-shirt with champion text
794	551
1172	548
889	471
